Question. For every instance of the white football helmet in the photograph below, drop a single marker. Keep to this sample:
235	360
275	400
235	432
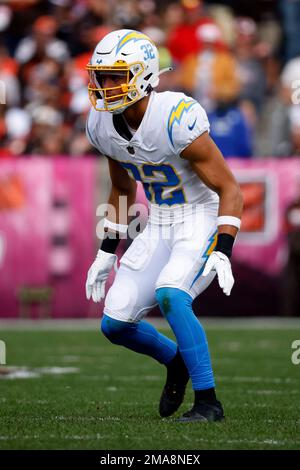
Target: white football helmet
128	53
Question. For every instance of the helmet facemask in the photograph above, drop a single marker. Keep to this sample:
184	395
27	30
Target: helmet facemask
125	94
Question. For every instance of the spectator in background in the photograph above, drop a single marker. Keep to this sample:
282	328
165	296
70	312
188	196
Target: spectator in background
283	123
229	127
8	77
48	135
183	40
290	11
4	151
250	69
23	14
211	69
9	67
95	14
18	128
42	42
128	14
44	84
294	119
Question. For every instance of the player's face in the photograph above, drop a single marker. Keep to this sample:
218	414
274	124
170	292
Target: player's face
112	82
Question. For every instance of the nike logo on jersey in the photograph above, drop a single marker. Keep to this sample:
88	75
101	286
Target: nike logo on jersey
193	125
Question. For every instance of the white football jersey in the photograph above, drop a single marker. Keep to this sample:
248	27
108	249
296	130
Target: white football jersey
171	122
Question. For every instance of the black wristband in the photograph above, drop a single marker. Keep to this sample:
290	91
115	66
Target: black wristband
224	244
110	245
110	242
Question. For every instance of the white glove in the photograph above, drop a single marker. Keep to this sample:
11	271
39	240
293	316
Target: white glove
98	273
219	262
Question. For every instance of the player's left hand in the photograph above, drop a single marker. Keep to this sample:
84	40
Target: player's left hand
220	263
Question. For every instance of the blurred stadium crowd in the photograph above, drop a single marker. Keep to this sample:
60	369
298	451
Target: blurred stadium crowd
241	60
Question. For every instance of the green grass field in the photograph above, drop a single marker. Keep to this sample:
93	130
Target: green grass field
110	400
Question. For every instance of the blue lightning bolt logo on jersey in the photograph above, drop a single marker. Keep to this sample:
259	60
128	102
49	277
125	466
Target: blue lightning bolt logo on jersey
176	114
131	36
210	248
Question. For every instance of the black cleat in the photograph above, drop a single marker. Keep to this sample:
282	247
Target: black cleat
174	389
205	412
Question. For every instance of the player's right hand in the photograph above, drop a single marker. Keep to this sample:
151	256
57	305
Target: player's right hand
98	274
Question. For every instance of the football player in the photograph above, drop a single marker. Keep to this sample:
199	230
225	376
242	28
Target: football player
161	140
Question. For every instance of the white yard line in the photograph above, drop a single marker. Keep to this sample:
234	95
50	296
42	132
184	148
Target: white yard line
273	392
273	380
16	372
208	322
52	436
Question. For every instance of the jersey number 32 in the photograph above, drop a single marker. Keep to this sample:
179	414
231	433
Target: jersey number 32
156	189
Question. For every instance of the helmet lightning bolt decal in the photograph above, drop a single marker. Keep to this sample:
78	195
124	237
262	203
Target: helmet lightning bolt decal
176	114
131	36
